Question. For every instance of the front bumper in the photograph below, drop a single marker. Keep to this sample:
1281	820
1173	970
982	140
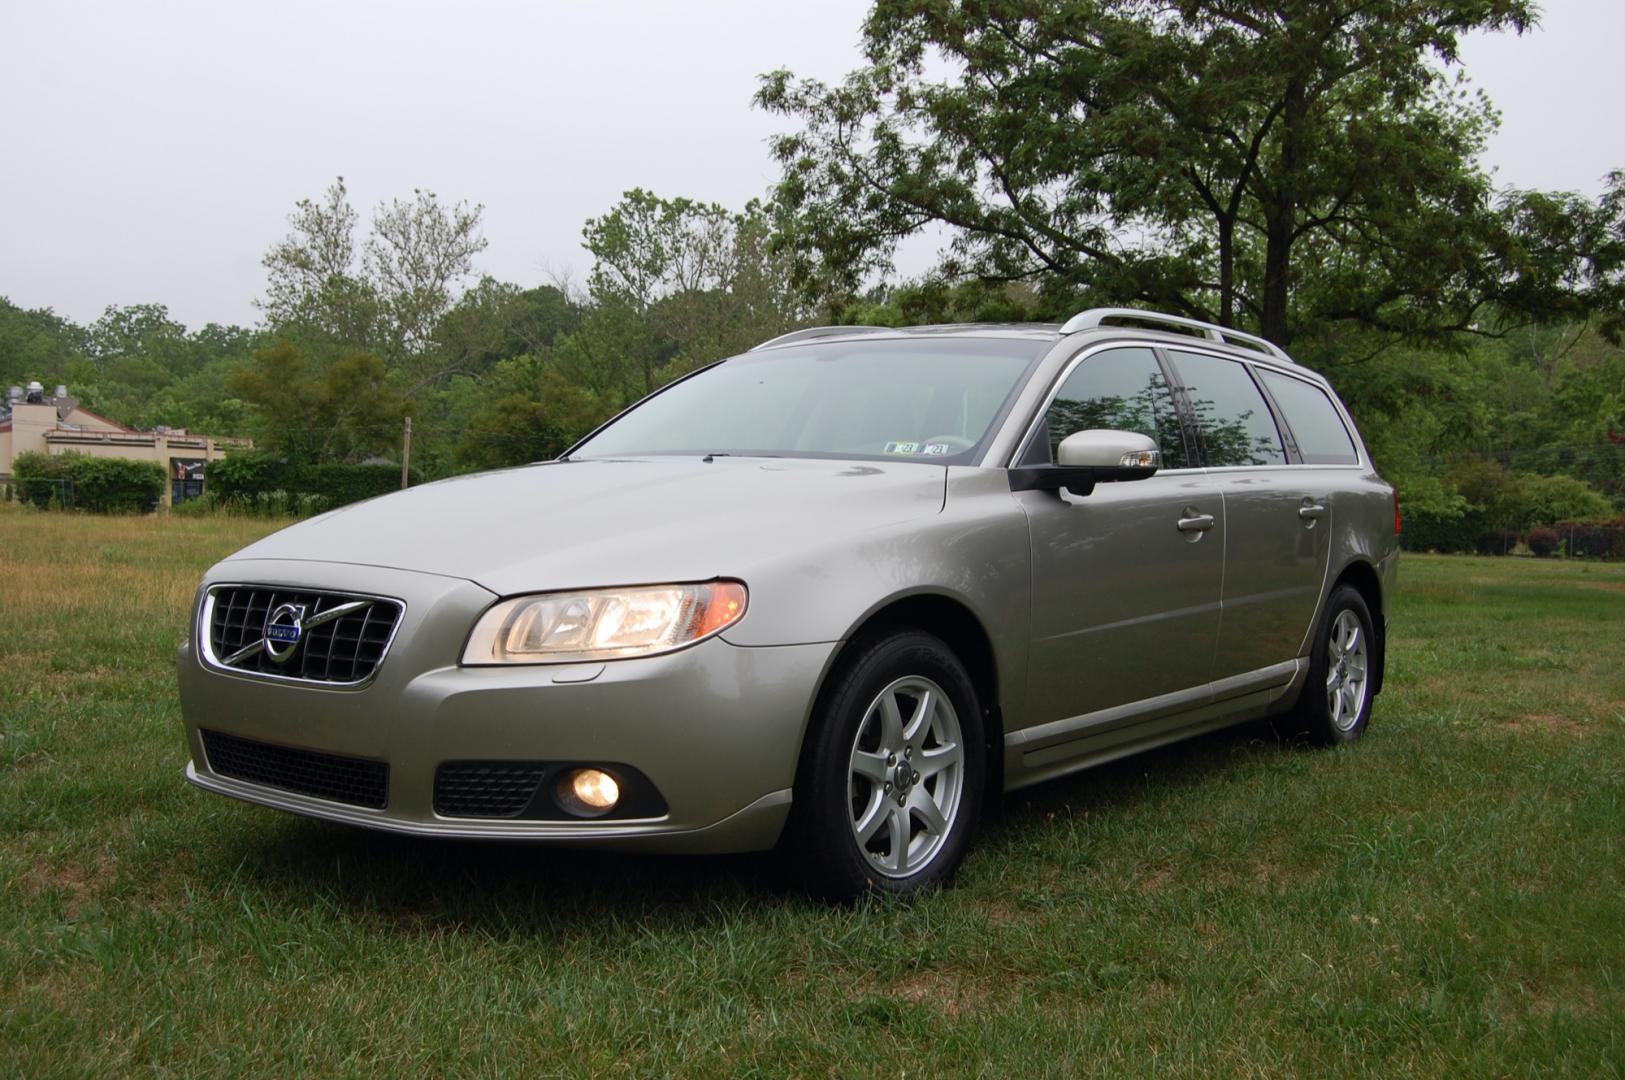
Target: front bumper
716	728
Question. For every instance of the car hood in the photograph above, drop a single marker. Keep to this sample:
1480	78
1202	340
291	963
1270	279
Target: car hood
579	524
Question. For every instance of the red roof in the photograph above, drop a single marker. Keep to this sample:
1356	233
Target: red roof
103	419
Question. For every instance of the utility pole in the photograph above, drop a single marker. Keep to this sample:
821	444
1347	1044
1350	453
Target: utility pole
406	454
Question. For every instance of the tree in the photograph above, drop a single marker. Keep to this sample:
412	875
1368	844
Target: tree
495	321
1277	164
703	281
524	410
312	283
417	257
345	411
386	299
37	344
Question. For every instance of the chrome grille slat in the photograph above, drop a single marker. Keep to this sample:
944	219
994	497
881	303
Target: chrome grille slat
345	650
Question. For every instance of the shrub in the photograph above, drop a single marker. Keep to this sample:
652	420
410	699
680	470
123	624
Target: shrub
1543	541
100	485
116	485
264	486
238	476
1546	500
1460	533
1595	540
41	478
1496	542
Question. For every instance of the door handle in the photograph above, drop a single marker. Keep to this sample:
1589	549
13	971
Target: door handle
1196	523
1312	511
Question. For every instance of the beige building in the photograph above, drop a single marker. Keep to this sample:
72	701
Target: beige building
55	424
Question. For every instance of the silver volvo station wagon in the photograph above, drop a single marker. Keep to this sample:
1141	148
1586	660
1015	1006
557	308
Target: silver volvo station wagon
830	595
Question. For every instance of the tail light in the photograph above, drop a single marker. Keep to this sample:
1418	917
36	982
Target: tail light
1396	511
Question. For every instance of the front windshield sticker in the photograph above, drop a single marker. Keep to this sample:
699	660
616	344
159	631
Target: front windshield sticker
930	449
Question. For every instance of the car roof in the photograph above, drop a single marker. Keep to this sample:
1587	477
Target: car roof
1017	331
1125	323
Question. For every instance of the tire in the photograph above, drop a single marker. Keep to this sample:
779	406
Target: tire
873	774
1334	706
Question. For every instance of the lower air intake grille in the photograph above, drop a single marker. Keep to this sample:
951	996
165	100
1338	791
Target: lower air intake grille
352	780
486	789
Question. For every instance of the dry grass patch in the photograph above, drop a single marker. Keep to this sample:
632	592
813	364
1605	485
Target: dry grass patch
953	994
74	882
1545	724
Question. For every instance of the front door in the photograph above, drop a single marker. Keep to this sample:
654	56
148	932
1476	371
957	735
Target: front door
1126	580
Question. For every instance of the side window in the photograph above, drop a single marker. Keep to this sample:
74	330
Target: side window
1121	389
1319	430
1236	425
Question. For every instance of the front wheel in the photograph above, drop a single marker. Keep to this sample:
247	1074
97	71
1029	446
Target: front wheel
891	780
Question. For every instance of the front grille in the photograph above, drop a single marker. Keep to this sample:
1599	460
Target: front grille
353	780
343	649
485	789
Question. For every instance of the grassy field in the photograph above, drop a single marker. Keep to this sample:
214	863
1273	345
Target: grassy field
1446	897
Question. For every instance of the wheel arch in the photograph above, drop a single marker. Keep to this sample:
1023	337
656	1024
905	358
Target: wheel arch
954	621
1362	576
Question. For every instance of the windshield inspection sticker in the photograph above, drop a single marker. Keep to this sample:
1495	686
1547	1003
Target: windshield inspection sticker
930	449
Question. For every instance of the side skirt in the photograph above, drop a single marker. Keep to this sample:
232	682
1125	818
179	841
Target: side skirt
1041	753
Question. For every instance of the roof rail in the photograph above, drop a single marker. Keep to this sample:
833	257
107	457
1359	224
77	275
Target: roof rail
1084	320
812	333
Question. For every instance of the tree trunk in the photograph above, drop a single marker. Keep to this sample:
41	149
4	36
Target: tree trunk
1227	271
1277	276
1279	220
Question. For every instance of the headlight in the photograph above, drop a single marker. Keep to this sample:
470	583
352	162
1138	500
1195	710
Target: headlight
603	624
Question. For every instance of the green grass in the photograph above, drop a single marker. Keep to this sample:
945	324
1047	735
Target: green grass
1445	897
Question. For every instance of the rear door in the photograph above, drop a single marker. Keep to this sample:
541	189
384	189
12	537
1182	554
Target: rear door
1277	515
1126	580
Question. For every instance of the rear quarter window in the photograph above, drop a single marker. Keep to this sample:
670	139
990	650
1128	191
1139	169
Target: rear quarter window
1316	425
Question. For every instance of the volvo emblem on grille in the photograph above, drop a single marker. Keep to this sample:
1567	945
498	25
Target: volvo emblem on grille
283	629
286	625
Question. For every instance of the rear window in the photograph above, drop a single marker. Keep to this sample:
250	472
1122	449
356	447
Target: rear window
1236	425
1315	423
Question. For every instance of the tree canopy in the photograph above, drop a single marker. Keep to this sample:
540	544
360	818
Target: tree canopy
388	295
1284	164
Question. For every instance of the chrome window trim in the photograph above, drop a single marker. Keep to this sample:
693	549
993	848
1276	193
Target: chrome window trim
202	635
1294	465
1302	375
1290	368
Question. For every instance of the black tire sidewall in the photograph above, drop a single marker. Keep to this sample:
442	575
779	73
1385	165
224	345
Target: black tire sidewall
820	838
1313	711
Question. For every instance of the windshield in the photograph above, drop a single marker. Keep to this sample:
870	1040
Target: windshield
917	400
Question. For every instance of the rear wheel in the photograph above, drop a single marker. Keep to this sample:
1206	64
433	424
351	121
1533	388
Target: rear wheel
891	780
1335	704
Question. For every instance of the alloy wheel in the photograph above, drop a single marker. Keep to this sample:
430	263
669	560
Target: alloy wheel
906	776
1346	662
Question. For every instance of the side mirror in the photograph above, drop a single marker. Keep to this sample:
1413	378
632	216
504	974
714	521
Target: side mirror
1087	458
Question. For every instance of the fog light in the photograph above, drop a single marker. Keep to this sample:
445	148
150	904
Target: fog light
588	792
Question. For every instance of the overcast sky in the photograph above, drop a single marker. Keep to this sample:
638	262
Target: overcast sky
153	151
